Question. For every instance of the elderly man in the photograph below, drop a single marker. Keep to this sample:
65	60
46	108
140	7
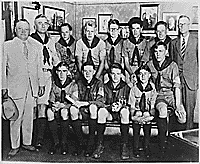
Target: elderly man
184	51
49	59
91	48
22	76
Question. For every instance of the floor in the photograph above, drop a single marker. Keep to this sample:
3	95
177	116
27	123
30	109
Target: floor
111	151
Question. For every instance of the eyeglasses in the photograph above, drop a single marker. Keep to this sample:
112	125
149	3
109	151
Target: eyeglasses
183	24
113	29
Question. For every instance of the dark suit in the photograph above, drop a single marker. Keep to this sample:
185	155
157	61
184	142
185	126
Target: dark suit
188	70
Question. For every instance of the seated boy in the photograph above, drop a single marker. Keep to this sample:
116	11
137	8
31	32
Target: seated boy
142	99
90	99
167	82
116	96
58	104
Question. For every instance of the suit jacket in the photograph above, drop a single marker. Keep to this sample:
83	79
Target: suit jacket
18	71
190	60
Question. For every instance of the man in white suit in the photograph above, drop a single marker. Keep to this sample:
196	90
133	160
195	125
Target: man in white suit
22	78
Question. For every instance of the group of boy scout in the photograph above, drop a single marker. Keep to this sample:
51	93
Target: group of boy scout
117	79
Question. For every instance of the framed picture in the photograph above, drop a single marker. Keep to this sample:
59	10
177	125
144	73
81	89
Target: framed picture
124	30
149	16
9	11
56	17
172	22
29	14
103	23
194	18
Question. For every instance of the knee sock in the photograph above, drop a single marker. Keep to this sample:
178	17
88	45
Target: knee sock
136	136
162	128
41	127
76	125
65	130
92	129
147	134
100	132
124	128
53	126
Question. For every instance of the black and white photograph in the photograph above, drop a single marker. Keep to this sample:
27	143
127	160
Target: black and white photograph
99	81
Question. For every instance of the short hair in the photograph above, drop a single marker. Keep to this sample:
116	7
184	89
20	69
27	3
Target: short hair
145	67
184	16
65	24
113	21
87	64
22	20
41	16
135	20
160	23
90	23
61	64
159	43
118	66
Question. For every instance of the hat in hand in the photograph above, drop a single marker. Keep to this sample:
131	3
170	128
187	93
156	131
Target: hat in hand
181	115
9	109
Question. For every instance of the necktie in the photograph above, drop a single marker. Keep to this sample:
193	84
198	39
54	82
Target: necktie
142	103
183	48
112	53
89	57
25	50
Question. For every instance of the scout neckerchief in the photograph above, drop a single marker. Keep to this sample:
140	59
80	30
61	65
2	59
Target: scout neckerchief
45	51
114	90
88	94
95	42
136	51
62	86
164	65
67	45
112	50
142	103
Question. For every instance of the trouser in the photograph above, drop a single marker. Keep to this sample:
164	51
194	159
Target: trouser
189	102
25	120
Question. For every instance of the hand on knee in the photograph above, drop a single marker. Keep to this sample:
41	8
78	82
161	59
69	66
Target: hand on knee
64	114
162	109
50	115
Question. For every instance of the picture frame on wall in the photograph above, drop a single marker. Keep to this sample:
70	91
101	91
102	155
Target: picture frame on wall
29	14
171	18
149	17
103	23
124	30
56	17
194	18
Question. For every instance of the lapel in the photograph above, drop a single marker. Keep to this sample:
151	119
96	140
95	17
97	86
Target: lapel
189	44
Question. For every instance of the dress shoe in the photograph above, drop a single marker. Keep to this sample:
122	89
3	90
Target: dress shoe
64	149
88	151
99	150
29	147
53	149
136	153
125	151
12	153
78	150
38	146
